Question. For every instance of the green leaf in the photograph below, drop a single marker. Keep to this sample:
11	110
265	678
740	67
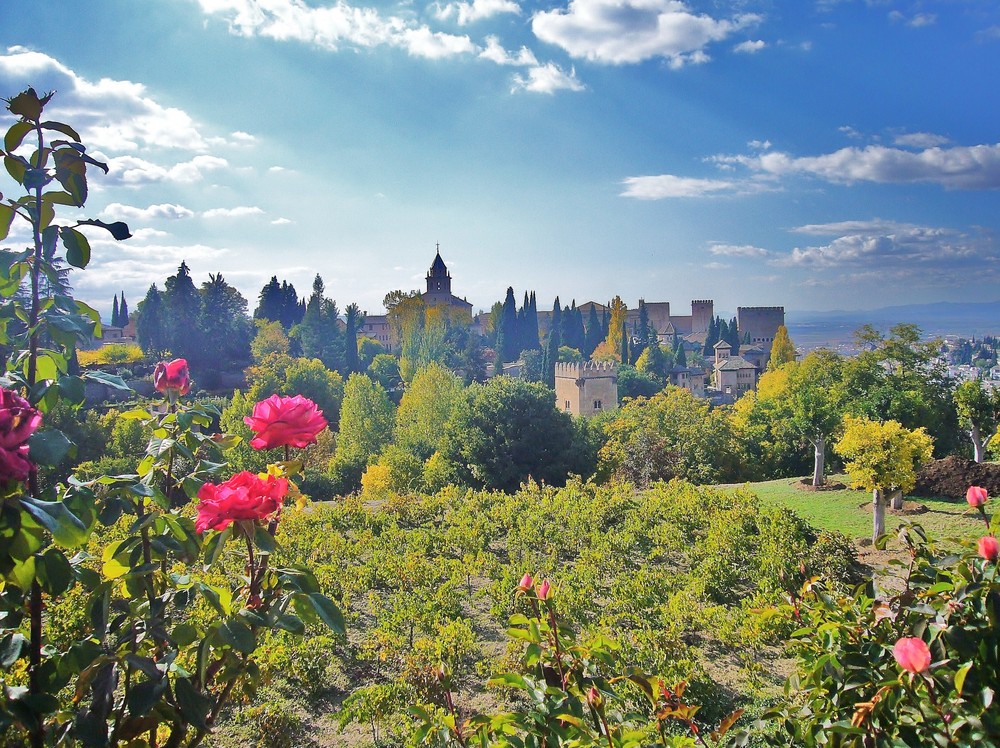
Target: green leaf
11	648
193	704
72	389
214	545
960	677
15	167
53	572
238	635
63	128
111	380
77	247
143	696
66	529
117	229
263	540
49	447
6	218
15	135
328	612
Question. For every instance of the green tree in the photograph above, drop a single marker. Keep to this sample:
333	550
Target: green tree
181	312
318	334
687	437
384	369
270	339
882	457
508	335
978	412
150	325
507	431
616	325
815	396
425	408
594	335
355	319
367	419
782	349
898	377
224	326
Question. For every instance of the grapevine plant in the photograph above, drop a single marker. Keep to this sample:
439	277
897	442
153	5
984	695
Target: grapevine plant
166	637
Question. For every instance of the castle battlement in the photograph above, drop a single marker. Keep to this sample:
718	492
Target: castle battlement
701	301
761	309
587	370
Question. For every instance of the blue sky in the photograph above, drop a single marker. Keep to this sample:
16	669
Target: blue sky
816	154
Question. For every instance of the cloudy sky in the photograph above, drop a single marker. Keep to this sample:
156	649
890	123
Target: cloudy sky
816	154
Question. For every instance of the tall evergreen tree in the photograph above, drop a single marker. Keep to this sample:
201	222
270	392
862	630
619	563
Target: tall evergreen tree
507	345
550	358
123	312
291	309
355	319
712	338
624	348
531	335
181	306
150	327
269	301
642	333
593	335
318	333
224	326
114	313
733	338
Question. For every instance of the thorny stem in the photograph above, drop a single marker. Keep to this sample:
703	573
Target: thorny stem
36	602
563	675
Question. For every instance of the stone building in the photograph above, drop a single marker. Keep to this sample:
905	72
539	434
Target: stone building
438	291
732	375
588	388
760	324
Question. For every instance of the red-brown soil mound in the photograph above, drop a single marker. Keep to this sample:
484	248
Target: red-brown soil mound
951	477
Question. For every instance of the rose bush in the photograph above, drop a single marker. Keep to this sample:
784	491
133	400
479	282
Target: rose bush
281	421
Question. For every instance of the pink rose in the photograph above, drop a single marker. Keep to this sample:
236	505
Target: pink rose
172	377
285	422
544	590
244	496
526	582
18	421
976	496
912	654
989	548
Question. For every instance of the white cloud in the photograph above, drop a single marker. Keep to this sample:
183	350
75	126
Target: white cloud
920	140
959	167
241	211
333	26
749	47
716	266
134	171
547	78
147	234
916	21
737	250
112	115
877	245
466	13
163	211
668	185
281	222
630	31
494	52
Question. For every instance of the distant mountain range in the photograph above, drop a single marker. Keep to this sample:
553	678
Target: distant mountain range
810	329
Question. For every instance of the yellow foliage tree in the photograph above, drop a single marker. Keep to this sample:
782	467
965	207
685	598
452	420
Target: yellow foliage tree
782	349
881	457
619	312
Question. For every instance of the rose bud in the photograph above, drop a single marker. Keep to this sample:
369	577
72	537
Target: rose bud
912	654
525	584
544	590
976	496
989	548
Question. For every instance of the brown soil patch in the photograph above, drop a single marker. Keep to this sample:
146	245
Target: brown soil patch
951	477
909	507
805	484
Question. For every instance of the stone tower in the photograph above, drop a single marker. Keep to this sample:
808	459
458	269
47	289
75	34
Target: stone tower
702	314
438	277
587	389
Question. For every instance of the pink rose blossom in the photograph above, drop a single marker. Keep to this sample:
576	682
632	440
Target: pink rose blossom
244	496
173	377
18	421
285	422
912	654
526	582
544	590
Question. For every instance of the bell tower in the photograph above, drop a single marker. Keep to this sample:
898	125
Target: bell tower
438	277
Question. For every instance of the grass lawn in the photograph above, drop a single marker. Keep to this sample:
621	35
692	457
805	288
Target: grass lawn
849	511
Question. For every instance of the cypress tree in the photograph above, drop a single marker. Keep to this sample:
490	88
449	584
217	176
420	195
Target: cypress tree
509	350
643	333
550	358
150	329
114	313
624	347
532	338
123	311
593	336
